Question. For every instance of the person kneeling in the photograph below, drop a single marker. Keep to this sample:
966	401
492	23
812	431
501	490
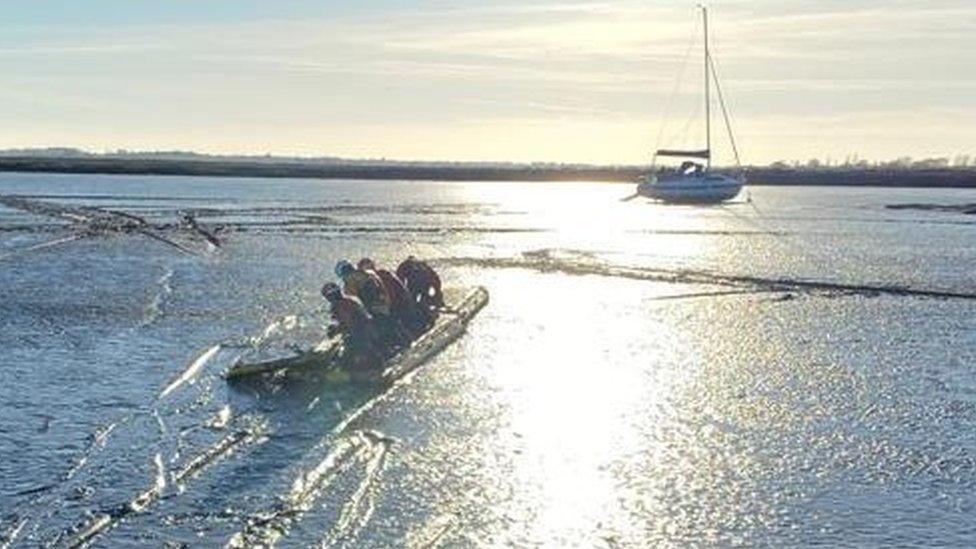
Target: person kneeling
411	317
423	282
370	291
351	320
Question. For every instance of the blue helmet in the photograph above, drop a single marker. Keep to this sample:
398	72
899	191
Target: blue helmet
343	268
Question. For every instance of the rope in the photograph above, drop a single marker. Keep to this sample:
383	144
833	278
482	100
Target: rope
670	103
725	112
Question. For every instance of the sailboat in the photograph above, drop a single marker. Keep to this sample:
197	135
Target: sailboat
695	182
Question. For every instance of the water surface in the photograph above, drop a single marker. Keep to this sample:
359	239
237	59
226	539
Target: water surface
794	371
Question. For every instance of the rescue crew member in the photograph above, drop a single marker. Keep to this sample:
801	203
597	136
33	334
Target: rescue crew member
411	316
369	289
351	319
422	282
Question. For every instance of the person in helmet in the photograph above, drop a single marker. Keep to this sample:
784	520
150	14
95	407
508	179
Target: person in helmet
423	283
369	289
354	323
408	313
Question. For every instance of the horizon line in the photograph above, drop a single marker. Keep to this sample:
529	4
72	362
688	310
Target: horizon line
956	160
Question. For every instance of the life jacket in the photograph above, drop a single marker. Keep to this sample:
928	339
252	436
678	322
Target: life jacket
369	289
399	296
420	279
403	270
428	275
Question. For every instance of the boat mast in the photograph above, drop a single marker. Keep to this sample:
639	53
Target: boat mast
708	103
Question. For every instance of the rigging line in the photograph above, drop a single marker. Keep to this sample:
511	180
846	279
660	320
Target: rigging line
671	98
782	239
692	117
725	112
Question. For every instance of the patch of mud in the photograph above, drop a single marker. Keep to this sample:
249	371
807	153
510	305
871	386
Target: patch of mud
709	233
298	228
966	209
566	262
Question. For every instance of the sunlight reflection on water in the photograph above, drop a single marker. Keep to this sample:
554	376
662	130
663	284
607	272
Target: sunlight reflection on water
592	403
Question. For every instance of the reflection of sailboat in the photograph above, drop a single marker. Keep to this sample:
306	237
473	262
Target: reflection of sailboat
694	183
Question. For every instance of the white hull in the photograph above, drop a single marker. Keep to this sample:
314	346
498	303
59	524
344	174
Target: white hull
705	188
694	182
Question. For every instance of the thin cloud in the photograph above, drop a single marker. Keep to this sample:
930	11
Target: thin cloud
59	50
593	70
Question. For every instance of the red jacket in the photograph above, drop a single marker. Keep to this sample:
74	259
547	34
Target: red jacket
419	277
399	296
351	317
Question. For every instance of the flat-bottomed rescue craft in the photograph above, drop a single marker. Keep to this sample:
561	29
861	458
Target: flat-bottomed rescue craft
328	359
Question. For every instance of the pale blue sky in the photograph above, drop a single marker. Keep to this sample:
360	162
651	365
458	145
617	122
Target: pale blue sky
477	80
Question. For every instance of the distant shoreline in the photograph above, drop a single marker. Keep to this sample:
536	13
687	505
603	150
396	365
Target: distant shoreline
842	176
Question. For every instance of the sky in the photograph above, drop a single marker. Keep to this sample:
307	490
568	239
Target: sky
469	80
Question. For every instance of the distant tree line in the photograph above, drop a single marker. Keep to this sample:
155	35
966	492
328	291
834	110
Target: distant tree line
852	162
902	172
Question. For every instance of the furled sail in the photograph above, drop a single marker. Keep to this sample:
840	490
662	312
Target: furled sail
705	153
